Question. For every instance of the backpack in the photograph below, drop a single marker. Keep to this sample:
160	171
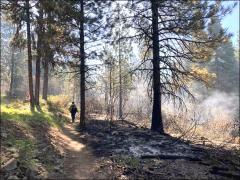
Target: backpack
73	108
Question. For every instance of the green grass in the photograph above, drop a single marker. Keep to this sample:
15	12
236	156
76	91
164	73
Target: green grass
20	112
26	149
128	161
18	115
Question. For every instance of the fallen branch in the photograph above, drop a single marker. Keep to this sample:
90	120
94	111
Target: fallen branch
220	172
127	122
173	157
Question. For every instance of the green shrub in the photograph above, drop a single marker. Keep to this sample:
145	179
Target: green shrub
26	149
128	161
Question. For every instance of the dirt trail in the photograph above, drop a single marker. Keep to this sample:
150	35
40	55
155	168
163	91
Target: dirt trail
127	153
79	162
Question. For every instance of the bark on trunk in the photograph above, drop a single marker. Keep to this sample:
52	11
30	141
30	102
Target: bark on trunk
11	90
120	73
120	91
82	69
30	79
157	124
48	57
45	78
106	97
39	56
37	79
110	96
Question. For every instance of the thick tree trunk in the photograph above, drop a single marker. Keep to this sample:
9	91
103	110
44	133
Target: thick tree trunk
82	69
39	56
11	89
30	79
48	57
157	124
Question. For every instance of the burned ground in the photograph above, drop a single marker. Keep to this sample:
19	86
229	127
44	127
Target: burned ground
132	152
122	150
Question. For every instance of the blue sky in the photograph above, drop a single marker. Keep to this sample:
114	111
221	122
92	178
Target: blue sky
231	22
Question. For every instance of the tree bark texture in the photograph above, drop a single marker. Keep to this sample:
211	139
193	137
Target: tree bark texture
30	78
157	124
82	68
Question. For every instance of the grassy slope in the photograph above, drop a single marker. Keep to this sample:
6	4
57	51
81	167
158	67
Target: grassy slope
25	129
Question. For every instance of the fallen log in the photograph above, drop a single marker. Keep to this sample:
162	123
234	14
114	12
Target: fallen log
171	157
10	165
127	122
225	174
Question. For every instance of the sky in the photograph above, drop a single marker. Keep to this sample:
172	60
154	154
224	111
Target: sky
231	22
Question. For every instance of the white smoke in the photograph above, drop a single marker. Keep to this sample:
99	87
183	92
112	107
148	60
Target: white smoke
216	115
220	105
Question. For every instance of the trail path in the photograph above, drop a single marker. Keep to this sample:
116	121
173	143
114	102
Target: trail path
128	152
79	162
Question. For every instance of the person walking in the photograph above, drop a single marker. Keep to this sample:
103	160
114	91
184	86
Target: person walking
73	110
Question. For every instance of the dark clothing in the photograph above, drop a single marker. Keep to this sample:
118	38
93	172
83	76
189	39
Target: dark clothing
73	110
73	116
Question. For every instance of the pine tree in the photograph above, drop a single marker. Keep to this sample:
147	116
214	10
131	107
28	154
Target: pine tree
174	32
39	31
122	51
84	23
20	12
111	81
29	48
224	63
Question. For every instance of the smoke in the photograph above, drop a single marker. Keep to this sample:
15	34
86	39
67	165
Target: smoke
138	101
216	116
220	106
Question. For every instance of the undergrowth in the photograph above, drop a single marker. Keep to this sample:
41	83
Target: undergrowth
19	111
26	148
20	124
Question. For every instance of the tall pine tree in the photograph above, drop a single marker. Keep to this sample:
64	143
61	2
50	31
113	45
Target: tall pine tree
224	63
175	34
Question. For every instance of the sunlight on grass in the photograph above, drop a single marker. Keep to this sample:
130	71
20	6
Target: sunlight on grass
26	149
19	111
20	124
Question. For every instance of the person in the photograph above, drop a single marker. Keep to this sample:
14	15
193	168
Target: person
73	110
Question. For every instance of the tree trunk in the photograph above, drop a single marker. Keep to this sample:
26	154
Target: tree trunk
74	89
39	56
30	79
82	69
120	70
37	80
157	124
106	97
45	78
48	57
11	90
110	96
120	89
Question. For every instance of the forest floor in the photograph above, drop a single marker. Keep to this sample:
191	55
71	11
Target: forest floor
46	145
125	151
79	161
